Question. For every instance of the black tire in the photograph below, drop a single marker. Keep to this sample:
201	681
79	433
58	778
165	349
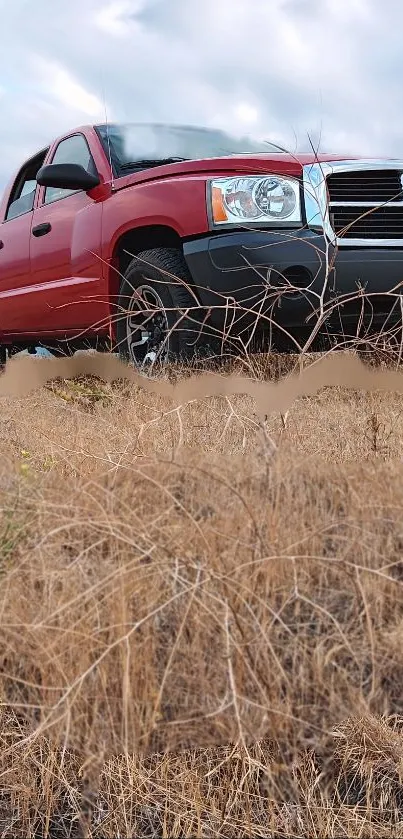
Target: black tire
162	279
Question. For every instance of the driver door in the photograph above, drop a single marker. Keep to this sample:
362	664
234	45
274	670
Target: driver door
65	252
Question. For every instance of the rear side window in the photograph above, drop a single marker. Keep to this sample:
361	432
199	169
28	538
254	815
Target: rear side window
23	192
74	149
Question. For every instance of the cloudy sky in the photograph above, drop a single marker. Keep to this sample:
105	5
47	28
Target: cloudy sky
278	69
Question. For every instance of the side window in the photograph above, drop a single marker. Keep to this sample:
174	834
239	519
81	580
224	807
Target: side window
23	192
72	150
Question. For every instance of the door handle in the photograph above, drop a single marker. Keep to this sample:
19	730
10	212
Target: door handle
42	229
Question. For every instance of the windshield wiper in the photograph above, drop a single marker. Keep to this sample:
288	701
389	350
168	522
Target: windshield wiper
145	164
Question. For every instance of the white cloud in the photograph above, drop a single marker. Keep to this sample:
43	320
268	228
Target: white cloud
74	95
246	113
59	83
112	19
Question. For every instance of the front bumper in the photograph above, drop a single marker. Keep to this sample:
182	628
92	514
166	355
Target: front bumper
239	275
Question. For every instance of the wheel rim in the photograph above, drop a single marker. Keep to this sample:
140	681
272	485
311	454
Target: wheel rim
147	329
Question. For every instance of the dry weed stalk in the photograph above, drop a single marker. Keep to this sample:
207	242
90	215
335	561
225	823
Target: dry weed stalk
200	610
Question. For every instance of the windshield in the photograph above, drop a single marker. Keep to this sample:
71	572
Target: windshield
133	143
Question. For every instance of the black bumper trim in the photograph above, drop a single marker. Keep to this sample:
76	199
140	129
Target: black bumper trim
247	267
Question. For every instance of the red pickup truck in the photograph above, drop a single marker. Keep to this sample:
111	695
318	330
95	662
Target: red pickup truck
158	240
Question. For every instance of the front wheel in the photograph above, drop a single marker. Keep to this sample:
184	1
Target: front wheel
159	317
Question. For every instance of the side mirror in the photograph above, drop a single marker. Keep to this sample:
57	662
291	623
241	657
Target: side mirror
67	176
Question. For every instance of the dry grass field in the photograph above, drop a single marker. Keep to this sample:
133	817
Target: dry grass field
201	620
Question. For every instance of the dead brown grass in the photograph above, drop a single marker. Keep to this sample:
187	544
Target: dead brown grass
201	624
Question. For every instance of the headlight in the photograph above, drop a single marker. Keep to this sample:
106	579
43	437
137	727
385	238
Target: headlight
255	199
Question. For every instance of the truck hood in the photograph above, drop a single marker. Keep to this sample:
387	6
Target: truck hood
279	164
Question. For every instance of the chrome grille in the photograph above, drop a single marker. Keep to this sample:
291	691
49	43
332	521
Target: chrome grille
366	204
356	203
368	186
360	223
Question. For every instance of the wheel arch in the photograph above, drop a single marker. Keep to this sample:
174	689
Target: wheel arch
138	239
